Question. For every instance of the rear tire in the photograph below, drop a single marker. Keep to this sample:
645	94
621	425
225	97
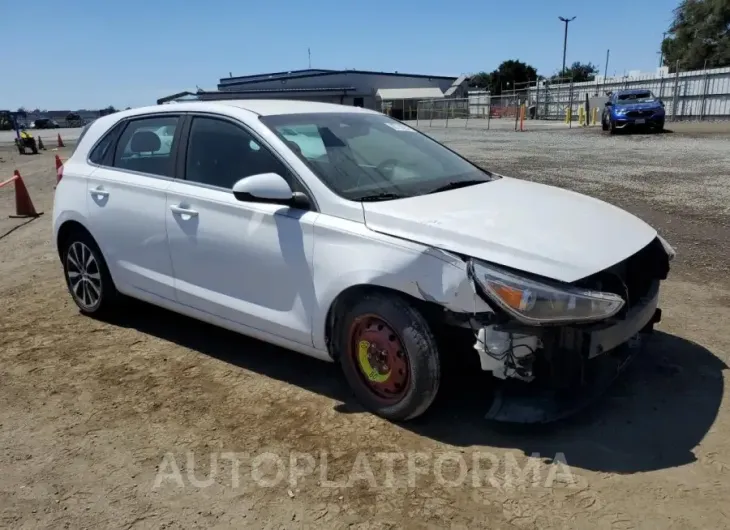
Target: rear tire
389	356
87	275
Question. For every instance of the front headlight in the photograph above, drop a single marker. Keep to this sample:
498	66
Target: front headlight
537	303
621	111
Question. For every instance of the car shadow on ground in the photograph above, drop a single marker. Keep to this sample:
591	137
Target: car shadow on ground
651	418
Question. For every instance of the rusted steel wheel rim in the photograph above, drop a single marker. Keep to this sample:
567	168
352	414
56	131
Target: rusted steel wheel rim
380	358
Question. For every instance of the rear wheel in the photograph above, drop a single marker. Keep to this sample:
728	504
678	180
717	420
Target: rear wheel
87	276
389	357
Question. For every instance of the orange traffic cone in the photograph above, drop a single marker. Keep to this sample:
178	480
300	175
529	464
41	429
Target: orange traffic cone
60	142
59	170
23	205
40	144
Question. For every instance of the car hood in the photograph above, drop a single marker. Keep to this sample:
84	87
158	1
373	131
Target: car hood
540	229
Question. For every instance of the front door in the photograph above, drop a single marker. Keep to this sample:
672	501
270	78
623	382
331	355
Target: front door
126	199
249	263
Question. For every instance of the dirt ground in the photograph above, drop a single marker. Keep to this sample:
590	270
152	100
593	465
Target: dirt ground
96	418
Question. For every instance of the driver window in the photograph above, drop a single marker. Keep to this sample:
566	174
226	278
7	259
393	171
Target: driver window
221	153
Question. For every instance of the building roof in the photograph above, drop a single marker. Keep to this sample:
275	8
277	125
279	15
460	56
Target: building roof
279	90
273	75
300	74
232	94
409	93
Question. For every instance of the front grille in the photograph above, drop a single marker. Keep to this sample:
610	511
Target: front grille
632	279
640	113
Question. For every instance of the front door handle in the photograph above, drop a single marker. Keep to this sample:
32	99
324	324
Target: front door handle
179	210
99	192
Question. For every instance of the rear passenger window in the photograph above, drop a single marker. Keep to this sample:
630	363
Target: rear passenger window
146	145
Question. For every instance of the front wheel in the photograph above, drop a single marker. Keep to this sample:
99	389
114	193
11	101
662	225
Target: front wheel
389	357
611	127
87	276
604	123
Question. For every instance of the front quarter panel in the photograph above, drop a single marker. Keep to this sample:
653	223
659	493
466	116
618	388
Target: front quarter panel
348	254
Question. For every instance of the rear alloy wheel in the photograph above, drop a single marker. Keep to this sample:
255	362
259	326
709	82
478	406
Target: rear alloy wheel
389	357
87	277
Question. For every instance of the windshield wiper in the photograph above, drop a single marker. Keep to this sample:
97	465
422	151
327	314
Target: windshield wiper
384	196
457	184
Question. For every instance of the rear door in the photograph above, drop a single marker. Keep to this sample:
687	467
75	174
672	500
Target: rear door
127	202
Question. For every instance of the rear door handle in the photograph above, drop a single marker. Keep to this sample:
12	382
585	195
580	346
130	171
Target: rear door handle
179	210
99	192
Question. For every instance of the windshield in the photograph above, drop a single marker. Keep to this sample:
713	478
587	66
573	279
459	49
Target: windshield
371	156
636	97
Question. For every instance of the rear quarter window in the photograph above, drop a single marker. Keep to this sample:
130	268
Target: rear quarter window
102	151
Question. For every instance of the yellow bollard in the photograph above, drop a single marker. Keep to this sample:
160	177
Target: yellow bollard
582	116
568	115
594	116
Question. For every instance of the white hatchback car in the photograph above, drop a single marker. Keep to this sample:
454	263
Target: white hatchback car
346	235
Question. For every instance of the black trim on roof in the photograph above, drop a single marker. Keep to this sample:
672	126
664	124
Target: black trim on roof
242	80
174	96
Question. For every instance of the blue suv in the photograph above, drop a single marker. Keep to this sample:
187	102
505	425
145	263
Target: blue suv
631	109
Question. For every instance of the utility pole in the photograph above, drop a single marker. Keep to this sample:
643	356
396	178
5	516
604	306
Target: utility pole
309	56
661	50
565	40
605	68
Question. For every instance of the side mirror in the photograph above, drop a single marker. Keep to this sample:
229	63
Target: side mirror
269	188
608	103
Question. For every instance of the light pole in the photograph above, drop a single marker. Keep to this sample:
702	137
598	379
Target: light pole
565	40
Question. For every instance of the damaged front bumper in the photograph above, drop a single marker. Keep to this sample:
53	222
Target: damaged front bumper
584	361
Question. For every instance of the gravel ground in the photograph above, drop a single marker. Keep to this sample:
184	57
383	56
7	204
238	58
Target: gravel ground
95	413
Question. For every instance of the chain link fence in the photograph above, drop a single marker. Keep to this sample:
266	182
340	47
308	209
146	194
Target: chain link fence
476	110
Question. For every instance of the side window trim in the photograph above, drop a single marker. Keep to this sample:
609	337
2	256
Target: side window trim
185	139
174	153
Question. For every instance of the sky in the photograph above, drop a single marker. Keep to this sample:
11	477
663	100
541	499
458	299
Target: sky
76	54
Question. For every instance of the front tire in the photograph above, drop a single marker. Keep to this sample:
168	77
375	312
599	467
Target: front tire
87	275
604	123
389	357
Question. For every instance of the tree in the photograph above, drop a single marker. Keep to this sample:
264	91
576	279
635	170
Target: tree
578	72
699	35
505	77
